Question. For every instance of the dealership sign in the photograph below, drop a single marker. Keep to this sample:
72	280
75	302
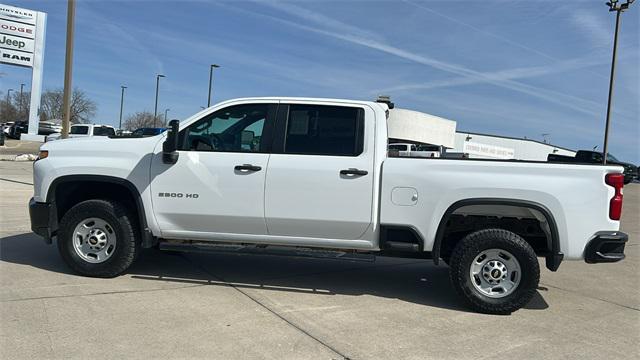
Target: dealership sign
22	33
20	30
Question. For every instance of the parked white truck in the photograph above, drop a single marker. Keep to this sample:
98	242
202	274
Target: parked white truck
314	175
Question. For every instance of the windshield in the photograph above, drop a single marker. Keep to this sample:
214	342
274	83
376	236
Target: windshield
428	148
611	157
79	130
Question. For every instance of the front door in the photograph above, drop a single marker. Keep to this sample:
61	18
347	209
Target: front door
320	178
217	184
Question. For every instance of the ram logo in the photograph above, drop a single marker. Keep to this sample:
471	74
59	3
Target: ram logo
178	195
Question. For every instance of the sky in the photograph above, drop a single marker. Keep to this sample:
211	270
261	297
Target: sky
513	68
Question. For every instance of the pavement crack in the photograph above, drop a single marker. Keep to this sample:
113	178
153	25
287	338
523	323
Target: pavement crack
46	318
17	182
593	297
99	293
266	307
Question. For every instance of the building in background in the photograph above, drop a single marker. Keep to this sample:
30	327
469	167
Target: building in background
411	131
484	146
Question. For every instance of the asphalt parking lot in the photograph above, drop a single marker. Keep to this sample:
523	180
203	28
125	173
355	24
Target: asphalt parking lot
235	307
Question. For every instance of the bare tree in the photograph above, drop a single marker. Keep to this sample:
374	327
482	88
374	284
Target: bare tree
21	104
143	119
8	111
82	108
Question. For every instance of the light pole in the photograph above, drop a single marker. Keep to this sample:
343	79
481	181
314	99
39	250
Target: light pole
122	87
20	100
165	114
155	112
213	66
619	9
7	104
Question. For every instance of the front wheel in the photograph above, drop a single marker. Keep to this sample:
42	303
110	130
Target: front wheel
495	270
98	238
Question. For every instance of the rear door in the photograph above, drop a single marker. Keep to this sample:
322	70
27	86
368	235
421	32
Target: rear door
320	177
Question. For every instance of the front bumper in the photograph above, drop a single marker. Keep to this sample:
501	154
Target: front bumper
44	221
606	246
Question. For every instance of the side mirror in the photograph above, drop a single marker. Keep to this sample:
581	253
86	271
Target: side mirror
170	145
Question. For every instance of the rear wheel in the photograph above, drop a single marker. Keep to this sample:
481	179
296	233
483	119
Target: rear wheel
97	238
495	270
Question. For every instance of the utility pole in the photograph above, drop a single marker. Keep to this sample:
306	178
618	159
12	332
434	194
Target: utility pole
619	9
155	112
213	66
68	64
20	101
121	105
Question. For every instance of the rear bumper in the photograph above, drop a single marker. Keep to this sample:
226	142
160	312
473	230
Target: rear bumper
605	247
44	221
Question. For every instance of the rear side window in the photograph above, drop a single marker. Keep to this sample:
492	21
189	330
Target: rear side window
398	147
324	130
79	130
103	131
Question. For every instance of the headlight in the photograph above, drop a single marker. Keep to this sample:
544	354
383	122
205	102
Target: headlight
43	155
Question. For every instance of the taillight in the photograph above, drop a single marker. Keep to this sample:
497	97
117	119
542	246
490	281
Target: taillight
615	204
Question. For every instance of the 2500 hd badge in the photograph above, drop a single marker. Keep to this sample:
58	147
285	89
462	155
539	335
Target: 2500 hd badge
178	195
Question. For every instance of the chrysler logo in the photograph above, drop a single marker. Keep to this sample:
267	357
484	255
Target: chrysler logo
15	14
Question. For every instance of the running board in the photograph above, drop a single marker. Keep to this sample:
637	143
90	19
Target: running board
275	250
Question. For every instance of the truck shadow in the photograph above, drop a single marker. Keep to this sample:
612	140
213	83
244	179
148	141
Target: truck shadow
411	280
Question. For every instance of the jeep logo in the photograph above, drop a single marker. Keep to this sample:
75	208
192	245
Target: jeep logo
17	43
178	195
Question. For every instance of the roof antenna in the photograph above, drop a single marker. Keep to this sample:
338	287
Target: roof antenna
385	99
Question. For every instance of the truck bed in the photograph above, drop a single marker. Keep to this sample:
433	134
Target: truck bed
576	194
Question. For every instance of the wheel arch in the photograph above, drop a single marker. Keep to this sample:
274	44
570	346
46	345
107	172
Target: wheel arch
147	239
553	258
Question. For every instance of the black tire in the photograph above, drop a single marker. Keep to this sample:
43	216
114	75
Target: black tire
123	224
471	246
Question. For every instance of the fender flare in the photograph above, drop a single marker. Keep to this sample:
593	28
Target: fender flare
553	259
147	239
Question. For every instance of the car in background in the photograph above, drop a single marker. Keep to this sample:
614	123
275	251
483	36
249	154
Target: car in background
595	157
144	132
123	133
415	150
48	128
6	126
18	128
85	130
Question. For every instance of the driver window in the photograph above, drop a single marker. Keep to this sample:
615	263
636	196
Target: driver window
233	129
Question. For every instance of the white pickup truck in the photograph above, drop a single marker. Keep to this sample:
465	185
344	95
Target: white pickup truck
314	175
85	130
